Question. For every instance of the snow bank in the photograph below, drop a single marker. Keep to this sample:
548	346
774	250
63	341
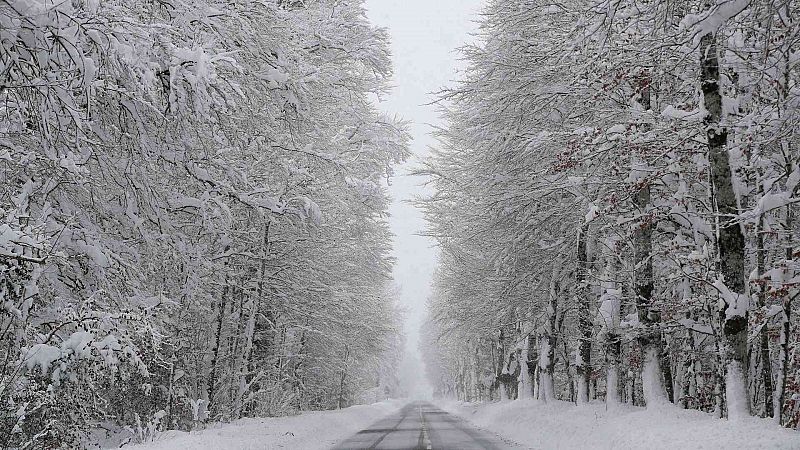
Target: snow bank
308	431
562	425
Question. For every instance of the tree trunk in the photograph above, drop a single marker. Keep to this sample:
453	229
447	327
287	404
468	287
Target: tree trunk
526	382
340	401
547	351
298	380
212	376
730	240
687	390
666	369
502	386
477	377
613	353
537	371
570	380
763	336
790	166
783	361
168	424
567	370
583	299
254	306
650	336
495	383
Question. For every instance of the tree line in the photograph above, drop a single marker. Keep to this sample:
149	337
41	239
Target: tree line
616	202
193	214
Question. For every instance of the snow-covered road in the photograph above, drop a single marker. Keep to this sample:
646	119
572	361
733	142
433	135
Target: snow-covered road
421	425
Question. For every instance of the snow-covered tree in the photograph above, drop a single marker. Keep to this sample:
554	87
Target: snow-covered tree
620	179
193	208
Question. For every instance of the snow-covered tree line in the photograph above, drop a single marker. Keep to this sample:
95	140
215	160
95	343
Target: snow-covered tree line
194	213
617	203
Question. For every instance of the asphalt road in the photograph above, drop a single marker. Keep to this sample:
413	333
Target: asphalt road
422	426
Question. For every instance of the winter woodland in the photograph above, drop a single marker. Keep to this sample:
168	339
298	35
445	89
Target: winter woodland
195	218
617	201
194	214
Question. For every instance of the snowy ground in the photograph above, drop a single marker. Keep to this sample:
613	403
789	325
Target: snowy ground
562	425
308	431
555	425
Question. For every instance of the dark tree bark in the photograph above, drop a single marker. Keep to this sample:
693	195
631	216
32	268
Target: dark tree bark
650	337
548	356
613	360
666	370
499	355
763	336
567	371
730	240
584	366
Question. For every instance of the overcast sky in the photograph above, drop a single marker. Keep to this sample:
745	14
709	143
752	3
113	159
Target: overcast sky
425	34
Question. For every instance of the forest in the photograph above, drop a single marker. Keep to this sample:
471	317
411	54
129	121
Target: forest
193	214
195	228
617	206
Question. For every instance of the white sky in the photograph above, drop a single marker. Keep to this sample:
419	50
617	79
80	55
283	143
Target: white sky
424	34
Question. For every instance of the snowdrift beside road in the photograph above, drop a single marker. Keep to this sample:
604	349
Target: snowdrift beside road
308	431
563	425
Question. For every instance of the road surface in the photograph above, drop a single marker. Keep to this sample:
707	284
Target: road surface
422	426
